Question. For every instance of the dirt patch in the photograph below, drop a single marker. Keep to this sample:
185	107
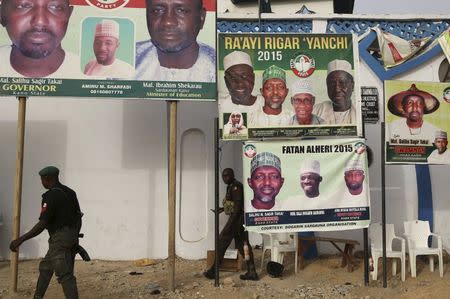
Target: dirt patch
321	278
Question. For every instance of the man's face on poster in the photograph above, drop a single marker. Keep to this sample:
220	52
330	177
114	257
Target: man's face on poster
441	144
174	24
303	104
310	181
240	80
266	182
354	180
105	48
413	107
340	87
274	91
36	27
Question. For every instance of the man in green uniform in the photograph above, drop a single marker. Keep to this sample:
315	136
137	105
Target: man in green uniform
61	216
233	205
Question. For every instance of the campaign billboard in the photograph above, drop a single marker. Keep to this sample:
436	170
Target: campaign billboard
288	85
306	185
116	49
417	117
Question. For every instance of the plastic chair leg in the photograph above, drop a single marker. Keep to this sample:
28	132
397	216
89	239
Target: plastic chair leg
412	262
441	265
431	259
403	266
394	266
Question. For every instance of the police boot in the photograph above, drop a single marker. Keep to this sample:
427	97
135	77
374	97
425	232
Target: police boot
210	273
251	272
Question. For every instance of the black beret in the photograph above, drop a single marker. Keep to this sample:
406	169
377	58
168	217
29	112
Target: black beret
49	171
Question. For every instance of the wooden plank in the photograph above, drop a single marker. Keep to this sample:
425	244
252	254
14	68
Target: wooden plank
18	191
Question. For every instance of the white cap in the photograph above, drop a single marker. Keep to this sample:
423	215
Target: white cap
302	86
355	164
236	57
108	28
310	166
339	65
440	134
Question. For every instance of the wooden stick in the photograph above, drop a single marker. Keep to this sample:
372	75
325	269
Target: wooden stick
18	191
172	190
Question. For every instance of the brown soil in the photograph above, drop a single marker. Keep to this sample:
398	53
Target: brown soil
321	278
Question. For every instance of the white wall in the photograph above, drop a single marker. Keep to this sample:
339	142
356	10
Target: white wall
114	154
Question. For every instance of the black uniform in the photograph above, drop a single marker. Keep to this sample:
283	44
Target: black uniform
61	211
234	229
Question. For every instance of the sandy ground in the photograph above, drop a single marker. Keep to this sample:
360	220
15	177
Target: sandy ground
321	278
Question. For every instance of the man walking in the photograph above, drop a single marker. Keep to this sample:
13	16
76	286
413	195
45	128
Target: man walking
233	205
61	216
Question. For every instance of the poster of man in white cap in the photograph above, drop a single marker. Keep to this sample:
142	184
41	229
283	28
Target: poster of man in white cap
290	85
307	185
93	48
105	45
417	119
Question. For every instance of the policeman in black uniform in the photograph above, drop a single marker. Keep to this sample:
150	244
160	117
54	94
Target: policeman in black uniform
233	205
61	216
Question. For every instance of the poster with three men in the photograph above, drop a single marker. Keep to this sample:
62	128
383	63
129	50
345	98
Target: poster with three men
288	85
306	185
152	49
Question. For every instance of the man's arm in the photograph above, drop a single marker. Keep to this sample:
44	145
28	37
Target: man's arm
36	230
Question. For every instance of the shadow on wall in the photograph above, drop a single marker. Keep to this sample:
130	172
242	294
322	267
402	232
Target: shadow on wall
45	143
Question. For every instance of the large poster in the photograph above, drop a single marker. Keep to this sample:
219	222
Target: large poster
417	116
288	85
307	185
153	49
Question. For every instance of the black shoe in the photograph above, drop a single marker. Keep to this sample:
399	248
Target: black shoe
251	275
210	274
83	253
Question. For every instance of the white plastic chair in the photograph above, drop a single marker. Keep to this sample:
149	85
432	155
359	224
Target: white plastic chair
376	247
278	244
417	233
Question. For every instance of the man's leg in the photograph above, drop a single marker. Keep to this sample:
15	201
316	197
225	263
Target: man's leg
45	275
225	238
241	237
63	265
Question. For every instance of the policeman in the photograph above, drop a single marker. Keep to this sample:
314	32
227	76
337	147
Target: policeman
61	216
233	205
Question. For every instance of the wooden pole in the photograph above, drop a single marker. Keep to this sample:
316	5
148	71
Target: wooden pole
172	190
17	191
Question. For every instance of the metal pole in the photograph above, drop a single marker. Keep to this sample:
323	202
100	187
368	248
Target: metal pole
383	203
366	257
18	190
216	201
172	190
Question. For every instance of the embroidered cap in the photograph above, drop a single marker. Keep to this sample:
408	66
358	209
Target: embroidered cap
339	65
265	159
355	164
235	58
440	134
302	86
312	166
274	71
109	28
